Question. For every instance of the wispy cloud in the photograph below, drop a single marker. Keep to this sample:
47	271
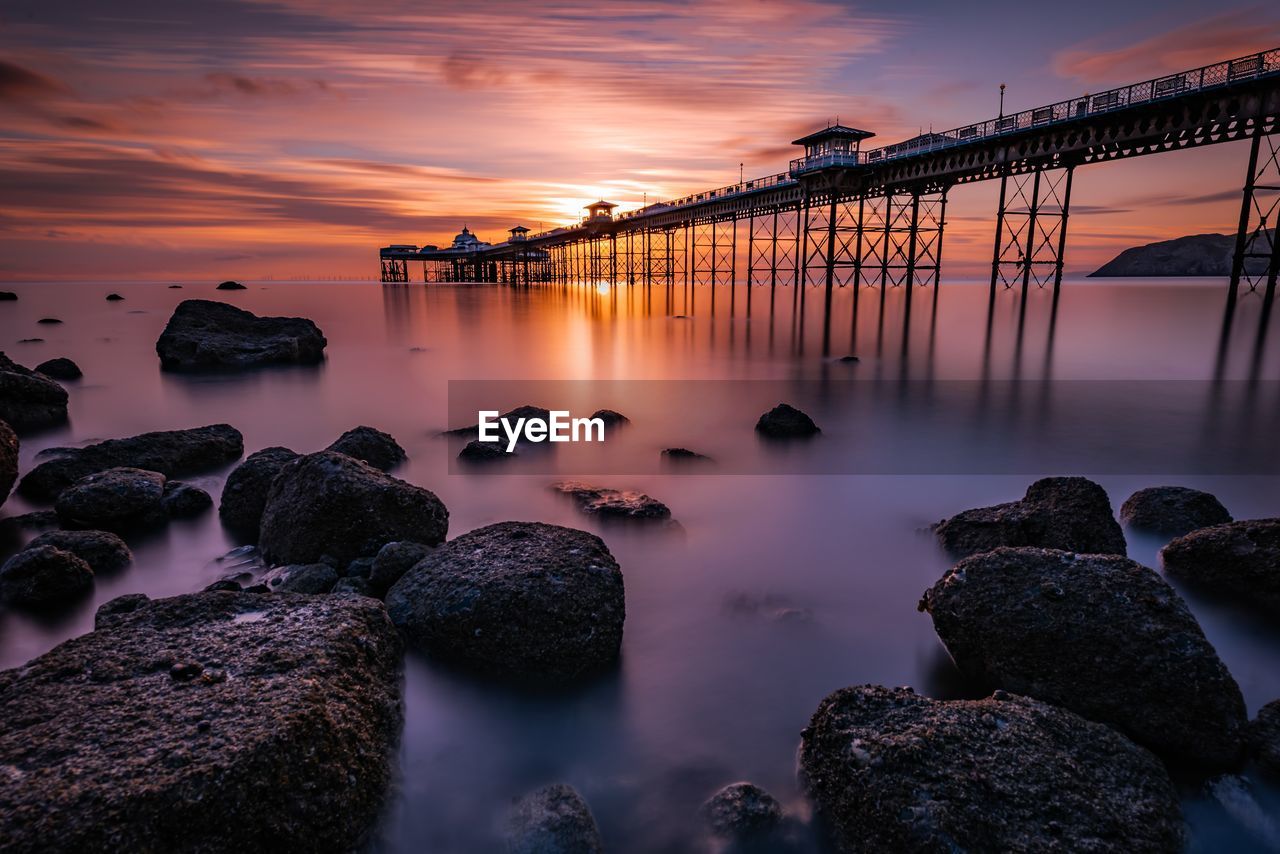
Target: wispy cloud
1220	36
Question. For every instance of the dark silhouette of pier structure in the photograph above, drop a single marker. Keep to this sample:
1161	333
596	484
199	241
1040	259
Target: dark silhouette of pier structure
845	215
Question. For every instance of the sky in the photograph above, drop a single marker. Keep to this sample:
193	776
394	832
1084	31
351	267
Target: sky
148	139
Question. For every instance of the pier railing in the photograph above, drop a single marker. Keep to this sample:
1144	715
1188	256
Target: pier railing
1155	89
1158	88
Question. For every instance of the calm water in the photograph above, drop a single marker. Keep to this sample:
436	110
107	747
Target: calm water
713	686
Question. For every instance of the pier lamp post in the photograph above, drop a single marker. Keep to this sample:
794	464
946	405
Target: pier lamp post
1001	101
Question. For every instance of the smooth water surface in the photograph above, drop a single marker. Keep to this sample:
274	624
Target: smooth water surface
777	589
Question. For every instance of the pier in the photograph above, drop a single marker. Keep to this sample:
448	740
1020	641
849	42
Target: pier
845	215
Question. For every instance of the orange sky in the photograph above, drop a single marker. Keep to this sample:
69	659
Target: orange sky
291	138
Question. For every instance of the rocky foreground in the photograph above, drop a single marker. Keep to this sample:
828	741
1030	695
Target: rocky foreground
263	713
207	722
892	771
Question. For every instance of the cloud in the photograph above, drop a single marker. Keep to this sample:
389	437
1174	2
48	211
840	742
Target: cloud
1229	34
18	83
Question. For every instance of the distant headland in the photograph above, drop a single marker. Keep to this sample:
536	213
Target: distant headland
1194	255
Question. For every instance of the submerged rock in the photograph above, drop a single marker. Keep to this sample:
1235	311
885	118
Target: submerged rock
330	504
184	501
203	335
533	602
60	369
29	401
1172	510
552	820
612	503
512	415
1098	634
1240	559
1069	513
8	296
392	562
8	460
611	418
476	451
684	455
786	422
50	321
1264	737
119	500
43	577
892	771
742	811
102	550
371	446
207	722
113	297
305	578
166	452
230	286
172	453
245	494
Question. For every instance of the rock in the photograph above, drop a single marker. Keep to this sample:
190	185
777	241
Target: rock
523	600
392	562
305	578
126	604
8	296
892	771
1264	737
1172	510
742	811
184	501
203	335
225	584
330	504
43	577
231	286
13	526
1194	255
172	453
60	369
1240	559
175	287
361	567
29	401
103	551
359	586
49	321
371	446
612	503
8	460
476	451
119	500
245	493
552	820
1098	634
848	360
1069	513
786	422
114	297
282	739
31	340
684	455
611	418
512	415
